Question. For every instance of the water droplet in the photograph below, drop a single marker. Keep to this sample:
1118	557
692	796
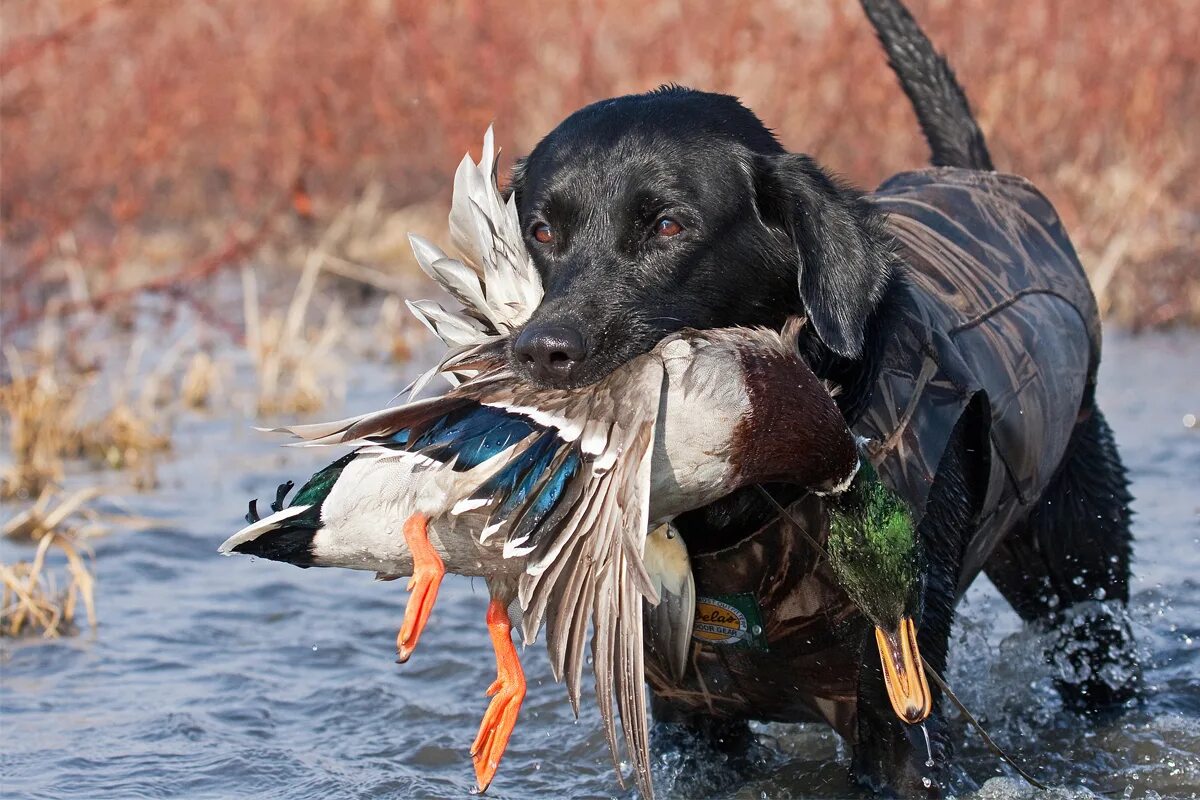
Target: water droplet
314	648
926	782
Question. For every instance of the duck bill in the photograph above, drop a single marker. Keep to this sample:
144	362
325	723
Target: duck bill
903	672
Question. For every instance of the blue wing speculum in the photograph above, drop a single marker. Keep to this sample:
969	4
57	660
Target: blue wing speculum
523	494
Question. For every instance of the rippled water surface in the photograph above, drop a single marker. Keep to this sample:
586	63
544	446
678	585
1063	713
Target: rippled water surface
213	677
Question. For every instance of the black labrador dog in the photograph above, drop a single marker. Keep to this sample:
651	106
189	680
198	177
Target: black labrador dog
678	208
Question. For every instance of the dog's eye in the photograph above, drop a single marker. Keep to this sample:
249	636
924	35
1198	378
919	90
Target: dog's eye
667	227
543	233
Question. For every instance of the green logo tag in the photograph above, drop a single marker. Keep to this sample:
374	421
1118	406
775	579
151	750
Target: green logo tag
732	620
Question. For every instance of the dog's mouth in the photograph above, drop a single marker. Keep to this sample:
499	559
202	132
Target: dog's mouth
611	347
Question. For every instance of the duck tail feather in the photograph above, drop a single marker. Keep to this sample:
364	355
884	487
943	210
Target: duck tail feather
316	431
259	527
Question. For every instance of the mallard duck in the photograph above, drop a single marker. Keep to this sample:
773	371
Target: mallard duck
549	494
874	552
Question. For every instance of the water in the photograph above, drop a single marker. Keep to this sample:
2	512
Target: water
212	677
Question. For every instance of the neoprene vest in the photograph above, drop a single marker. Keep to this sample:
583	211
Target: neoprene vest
998	321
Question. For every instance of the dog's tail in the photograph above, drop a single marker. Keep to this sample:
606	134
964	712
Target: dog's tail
941	106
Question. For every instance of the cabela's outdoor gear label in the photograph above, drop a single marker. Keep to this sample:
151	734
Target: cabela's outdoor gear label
731	620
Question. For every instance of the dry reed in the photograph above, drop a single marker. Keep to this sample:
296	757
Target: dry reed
214	125
200	382
45	397
34	599
290	359
41	414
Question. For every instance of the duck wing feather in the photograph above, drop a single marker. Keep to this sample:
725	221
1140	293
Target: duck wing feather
588	559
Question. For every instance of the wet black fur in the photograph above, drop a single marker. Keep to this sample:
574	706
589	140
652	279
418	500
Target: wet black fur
1075	548
768	234
954	137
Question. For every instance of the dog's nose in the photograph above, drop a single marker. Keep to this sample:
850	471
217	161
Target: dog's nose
550	352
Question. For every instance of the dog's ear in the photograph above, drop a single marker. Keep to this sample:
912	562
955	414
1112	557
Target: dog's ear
516	179
843	258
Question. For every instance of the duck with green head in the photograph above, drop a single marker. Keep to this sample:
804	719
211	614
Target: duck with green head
875	553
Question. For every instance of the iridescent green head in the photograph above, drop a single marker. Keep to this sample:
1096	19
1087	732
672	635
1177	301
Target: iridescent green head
873	549
875	554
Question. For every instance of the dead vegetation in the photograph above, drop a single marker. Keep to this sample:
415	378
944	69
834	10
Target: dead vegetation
290	357
200	382
34	598
39	413
220	127
54	411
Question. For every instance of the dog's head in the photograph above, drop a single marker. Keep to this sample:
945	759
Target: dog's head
649	213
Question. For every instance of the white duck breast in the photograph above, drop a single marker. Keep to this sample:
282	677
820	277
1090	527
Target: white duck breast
703	402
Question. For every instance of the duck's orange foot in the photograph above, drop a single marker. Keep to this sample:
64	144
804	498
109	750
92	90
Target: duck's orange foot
507	693
428	571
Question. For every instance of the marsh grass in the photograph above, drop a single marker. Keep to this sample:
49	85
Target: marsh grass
56	512
45	401
200	382
41	409
291	358
296	369
54	413
308	108
36	599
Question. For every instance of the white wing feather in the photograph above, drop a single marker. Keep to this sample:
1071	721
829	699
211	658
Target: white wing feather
604	533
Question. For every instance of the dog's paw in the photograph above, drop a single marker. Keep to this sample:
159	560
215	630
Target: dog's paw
1094	657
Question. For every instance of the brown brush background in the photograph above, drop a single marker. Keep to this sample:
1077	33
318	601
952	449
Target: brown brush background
155	142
